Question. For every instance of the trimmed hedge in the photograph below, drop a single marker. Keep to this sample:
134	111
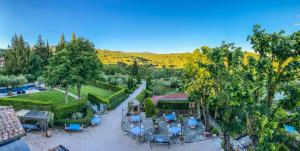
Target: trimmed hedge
173	105
19	104
113	100
85	121
59	110
149	107
96	99
65	110
106	86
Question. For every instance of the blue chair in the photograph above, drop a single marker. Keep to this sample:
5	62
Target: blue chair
73	127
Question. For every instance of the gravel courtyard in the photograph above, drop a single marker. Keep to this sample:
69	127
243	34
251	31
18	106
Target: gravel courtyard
108	136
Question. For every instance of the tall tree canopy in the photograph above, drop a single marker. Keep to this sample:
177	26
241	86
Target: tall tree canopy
42	50
17	57
84	59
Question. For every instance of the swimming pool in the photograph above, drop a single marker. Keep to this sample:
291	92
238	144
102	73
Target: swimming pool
16	89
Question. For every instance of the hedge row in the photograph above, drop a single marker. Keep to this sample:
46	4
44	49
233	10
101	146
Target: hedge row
66	110
106	86
60	110
19	104
85	121
112	101
96	99
173	105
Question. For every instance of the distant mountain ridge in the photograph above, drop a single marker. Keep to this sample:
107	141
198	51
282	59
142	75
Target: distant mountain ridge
172	60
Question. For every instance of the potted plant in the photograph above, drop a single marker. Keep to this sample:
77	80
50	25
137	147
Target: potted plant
214	131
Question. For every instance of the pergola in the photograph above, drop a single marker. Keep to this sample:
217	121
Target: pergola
41	117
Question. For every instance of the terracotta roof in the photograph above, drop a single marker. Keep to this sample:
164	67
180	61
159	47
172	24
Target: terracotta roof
177	96
10	126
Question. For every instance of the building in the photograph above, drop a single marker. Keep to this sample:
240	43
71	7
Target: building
178	97
11	131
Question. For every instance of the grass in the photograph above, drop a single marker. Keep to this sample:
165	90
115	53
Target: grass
47	96
85	89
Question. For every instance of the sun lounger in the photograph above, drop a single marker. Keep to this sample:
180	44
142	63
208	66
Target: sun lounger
73	127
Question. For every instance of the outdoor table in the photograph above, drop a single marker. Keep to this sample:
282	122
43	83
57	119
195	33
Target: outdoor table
135	118
174	130
170	117
192	122
136	130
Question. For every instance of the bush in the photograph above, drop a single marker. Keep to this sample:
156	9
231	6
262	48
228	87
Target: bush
96	99
19	104
85	121
143	95
173	105
112	101
106	86
149	107
60	110
65	110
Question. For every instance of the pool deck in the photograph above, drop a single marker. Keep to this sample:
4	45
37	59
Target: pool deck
108	136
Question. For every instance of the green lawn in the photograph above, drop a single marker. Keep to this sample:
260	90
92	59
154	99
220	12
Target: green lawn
47	96
85	89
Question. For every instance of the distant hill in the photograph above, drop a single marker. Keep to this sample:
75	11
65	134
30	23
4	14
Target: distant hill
172	60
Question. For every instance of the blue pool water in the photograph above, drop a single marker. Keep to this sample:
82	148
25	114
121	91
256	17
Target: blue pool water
290	129
16	89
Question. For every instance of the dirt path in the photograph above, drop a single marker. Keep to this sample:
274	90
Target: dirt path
108	136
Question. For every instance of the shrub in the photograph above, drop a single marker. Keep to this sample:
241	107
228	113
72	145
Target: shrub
65	110
143	95
106	86
149	107
96	99
85	121
19	104
173	105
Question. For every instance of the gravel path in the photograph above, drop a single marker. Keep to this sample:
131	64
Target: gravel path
108	136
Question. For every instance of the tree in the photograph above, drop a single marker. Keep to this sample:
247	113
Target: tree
148	82
278	58
60	71
84	60
130	83
134	69
62	43
11	81
149	107
17	56
42	51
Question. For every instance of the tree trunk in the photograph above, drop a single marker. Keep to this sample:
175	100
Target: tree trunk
226	142
66	94
203	112
78	90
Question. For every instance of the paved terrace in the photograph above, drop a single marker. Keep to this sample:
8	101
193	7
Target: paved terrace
108	136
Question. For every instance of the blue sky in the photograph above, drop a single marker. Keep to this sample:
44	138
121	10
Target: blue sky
160	26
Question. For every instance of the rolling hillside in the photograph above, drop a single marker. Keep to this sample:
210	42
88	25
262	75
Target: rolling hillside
172	60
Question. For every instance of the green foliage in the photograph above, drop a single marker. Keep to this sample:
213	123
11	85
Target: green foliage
173	105
130	83
134	69
148	82
112	100
143	95
85	121
83	51
42	51
17	57
149	107
106	86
